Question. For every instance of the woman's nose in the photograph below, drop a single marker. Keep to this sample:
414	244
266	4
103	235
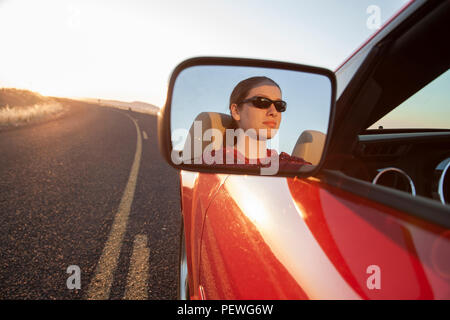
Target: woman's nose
272	111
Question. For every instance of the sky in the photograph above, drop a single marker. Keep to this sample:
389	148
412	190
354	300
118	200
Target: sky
427	108
126	50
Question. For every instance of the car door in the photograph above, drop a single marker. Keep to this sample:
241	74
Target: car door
237	260
197	191
285	238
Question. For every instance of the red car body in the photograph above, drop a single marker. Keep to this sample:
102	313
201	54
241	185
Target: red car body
311	241
251	237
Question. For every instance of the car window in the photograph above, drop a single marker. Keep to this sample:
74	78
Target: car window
428	108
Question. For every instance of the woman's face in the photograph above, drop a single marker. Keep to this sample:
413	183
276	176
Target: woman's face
250	117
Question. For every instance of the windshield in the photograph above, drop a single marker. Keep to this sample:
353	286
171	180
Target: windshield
428	108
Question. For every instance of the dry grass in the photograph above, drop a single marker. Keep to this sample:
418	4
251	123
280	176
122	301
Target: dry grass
14	116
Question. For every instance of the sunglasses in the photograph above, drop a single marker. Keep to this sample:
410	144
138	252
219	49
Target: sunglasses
265	103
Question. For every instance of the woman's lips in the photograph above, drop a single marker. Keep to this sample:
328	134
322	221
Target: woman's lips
271	124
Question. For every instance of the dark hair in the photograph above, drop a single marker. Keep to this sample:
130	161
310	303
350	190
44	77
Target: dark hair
242	89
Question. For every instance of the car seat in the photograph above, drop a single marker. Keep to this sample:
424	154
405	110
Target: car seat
309	146
209	120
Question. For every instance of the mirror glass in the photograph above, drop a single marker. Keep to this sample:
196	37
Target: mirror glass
237	116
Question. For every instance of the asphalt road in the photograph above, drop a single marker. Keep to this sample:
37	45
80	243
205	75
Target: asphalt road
61	185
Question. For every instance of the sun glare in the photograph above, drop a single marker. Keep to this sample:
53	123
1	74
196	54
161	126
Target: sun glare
76	49
126	50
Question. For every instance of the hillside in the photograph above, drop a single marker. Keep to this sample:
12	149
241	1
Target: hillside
20	107
20	98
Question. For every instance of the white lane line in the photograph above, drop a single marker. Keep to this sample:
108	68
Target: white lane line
137	280
100	285
145	135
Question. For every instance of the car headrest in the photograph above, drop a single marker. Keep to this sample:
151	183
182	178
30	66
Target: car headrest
309	146
209	120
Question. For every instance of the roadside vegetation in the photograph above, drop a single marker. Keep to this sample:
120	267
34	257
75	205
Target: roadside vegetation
19	107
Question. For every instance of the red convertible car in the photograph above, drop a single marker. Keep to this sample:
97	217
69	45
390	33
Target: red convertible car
371	220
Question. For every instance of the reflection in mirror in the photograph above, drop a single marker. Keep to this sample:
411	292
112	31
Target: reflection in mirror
240	116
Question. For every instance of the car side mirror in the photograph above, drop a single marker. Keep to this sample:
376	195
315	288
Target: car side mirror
245	116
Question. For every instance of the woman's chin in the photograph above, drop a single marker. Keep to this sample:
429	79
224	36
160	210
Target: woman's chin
266	133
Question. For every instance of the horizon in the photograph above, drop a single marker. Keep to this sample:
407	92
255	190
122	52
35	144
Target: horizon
87	99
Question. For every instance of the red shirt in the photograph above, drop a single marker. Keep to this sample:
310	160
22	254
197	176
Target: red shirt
232	157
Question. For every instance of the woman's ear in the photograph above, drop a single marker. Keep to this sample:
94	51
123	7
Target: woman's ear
235	112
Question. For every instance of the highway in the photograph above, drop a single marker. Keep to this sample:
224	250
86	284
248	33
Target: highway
89	189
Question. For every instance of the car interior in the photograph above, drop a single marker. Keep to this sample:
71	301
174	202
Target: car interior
413	161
